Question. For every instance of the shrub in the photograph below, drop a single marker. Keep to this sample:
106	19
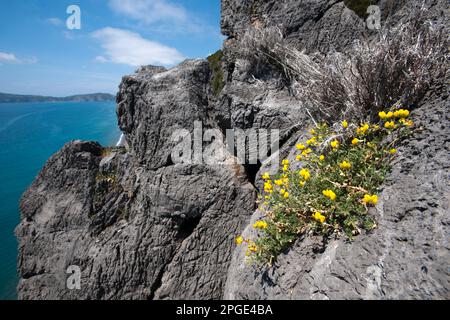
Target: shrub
334	189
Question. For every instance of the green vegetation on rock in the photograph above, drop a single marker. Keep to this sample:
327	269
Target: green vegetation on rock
342	169
215	64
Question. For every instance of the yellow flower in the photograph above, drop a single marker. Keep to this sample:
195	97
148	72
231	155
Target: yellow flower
376	127
371	145
393	151
267	197
298	157
285	167
407	123
278	182
311	141
319	217
370	199
345	124
312	131
355	141
401	113
286	195
268	187
252	247
285	162
334	144
302	183
389	125
266	176
322	157
329	194
239	240
260	224
363	129
345	165
300	146
382	115
305	174
306	152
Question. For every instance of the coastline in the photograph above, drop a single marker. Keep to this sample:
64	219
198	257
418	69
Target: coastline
30	133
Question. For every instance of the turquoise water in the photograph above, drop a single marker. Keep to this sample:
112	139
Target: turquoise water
29	134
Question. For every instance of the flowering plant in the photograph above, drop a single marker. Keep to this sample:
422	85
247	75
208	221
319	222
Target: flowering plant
331	194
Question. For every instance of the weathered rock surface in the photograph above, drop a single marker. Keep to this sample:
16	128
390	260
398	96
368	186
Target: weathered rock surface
137	225
140	226
408	255
308	22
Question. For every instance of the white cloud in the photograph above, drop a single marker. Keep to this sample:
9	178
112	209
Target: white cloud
149	11
55	21
8	58
101	59
161	16
126	47
11	58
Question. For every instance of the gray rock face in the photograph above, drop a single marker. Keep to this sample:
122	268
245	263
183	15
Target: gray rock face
406	257
315	25
308	22
152	105
139	225
395	261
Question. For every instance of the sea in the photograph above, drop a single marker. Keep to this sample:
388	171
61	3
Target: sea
29	134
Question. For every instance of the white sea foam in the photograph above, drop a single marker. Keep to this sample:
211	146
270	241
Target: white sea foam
121	141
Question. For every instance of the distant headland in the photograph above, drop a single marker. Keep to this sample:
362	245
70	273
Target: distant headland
12	98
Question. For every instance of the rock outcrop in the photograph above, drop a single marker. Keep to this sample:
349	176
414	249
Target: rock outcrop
405	257
140	225
137	225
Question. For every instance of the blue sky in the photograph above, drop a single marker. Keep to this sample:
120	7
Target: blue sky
40	55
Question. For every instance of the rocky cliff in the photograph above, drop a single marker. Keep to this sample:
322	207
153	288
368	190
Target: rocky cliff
141	225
